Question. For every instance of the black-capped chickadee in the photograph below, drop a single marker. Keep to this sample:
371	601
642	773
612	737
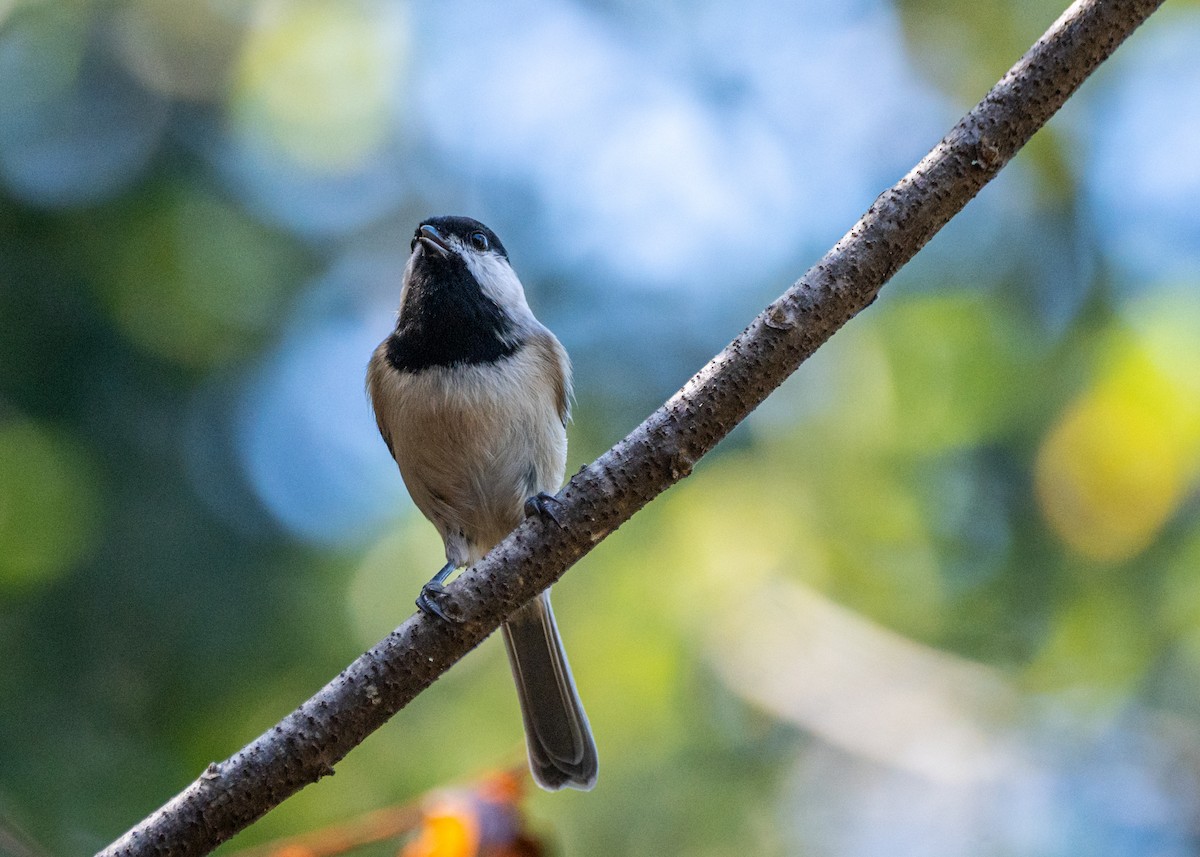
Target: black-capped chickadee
472	394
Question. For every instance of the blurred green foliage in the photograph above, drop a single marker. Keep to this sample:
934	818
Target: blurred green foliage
990	476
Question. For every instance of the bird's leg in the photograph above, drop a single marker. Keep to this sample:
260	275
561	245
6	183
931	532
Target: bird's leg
427	601
543	505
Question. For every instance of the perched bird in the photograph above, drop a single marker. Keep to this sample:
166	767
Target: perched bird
472	395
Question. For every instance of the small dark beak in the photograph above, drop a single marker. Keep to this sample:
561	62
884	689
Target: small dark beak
431	238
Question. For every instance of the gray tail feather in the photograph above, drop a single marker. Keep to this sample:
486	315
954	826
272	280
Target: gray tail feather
557	735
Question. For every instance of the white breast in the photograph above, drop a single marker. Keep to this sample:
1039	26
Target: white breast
474	441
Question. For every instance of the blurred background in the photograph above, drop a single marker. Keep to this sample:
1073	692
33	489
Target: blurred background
939	596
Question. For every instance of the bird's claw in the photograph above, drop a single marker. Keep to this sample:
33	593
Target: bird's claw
427	602
543	505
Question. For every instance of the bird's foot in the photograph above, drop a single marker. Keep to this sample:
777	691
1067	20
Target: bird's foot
429	601
543	505
434	592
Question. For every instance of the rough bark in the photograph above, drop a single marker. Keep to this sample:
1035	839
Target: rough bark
305	746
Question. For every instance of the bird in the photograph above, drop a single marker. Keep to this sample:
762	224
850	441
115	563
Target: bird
472	396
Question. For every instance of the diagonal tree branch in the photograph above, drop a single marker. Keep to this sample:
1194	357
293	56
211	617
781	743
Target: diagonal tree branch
306	744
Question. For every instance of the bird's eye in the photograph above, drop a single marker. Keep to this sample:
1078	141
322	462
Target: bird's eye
479	241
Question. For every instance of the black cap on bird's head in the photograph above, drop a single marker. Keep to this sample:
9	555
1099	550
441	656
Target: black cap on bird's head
453	234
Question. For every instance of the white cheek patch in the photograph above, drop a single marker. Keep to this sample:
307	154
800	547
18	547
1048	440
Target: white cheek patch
408	276
498	281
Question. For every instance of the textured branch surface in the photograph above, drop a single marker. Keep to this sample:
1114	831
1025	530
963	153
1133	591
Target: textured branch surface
305	745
